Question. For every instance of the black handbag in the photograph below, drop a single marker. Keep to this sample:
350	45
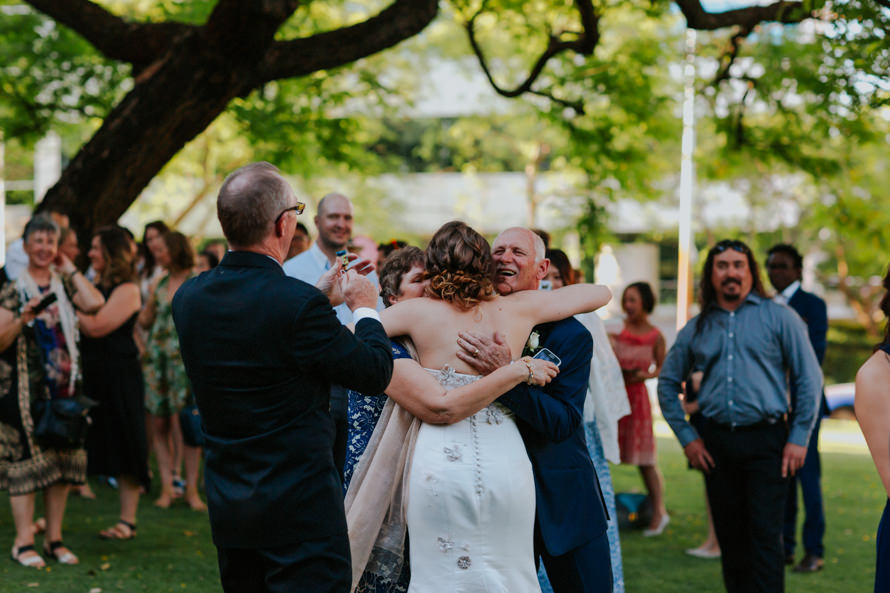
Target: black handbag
190	423
62	423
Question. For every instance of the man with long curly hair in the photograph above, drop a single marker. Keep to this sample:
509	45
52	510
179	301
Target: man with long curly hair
751	441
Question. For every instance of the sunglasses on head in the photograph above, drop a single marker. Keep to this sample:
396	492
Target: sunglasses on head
730	244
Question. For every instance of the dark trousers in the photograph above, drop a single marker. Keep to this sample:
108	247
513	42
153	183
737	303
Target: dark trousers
747	496
316	566
882	566
810	478
587	569
339	406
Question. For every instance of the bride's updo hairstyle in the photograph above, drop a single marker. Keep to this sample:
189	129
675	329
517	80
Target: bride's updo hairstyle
459	266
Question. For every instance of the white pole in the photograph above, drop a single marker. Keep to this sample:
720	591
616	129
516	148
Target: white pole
687	185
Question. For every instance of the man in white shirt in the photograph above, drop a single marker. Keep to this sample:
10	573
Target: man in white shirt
334	224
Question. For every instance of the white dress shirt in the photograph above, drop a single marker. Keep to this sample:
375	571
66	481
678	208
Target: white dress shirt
784	297
309	267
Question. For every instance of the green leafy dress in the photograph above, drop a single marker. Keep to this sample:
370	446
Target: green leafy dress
167	388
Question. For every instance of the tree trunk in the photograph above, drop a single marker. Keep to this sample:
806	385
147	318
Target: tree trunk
176	97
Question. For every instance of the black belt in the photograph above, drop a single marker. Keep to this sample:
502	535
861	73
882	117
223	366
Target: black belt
765	423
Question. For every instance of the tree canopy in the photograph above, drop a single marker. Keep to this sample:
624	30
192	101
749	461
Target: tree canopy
149	77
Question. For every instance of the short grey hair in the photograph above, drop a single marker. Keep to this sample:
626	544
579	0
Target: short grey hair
540	248
40	223
537	241
249	200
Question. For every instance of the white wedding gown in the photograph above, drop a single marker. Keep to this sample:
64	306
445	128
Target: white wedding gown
471	504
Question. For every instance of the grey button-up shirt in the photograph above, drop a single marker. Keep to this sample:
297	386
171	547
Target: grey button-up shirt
744	355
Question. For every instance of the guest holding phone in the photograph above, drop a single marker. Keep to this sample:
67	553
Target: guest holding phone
40	359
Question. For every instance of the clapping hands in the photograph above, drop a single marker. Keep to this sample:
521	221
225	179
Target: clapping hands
349	286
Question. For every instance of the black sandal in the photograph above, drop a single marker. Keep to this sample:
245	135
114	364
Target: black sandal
68	557
35	561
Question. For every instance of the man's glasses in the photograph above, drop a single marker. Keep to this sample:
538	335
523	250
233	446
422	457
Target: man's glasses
730	244
298	209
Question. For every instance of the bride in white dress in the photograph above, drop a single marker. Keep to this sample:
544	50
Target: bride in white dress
471	494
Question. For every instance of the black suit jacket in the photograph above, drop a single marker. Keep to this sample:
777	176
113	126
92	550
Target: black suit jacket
813	311
261	350
570	507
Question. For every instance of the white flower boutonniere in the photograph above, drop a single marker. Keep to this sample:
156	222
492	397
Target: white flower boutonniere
533	342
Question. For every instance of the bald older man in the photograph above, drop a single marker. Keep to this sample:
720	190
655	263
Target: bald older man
570	522
261	351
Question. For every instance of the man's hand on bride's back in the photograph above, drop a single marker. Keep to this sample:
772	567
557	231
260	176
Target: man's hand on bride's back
358	291
482	353
543	371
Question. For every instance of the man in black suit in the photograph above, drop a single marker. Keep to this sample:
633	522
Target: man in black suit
785	266
570	514
261	350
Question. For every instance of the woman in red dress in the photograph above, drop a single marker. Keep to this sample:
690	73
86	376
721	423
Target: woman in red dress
640	349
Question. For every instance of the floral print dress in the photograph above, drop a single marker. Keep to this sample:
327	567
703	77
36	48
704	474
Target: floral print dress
167	387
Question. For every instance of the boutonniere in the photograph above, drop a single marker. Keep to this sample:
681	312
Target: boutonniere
534	343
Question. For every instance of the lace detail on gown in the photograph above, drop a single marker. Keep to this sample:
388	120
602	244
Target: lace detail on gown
471	503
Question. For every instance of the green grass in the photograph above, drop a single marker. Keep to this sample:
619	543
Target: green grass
173	551
848	347
854	501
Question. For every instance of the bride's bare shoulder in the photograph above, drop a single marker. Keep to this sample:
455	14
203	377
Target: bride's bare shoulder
418	304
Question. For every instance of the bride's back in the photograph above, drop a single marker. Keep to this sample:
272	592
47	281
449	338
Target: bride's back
460	298
437	323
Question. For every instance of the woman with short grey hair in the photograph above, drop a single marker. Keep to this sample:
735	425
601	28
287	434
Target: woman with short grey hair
40	360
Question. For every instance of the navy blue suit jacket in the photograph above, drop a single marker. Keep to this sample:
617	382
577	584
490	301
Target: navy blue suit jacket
570	506
813	311
261	350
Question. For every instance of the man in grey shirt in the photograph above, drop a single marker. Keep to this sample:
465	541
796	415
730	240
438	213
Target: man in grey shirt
752	438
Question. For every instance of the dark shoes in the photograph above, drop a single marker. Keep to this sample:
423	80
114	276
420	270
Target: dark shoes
809	563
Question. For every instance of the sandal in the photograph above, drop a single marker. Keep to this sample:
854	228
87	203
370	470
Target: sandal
122	530
32	560
51	549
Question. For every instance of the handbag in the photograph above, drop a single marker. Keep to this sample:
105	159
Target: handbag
190	423
62	423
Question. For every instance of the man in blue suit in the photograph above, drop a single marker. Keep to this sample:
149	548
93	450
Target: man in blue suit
570	525
785	266
261	350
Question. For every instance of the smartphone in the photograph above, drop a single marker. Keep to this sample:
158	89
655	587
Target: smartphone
546	354
45	302
344	257
546	285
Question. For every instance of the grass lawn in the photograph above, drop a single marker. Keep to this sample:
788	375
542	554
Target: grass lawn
854	501
173	552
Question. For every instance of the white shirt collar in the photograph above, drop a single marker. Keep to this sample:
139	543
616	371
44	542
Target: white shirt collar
784	297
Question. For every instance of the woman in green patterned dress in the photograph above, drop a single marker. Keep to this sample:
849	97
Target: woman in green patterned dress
167	388
39	359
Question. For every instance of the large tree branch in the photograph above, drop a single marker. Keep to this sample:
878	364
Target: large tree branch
584	43
401	20
732	52
136	43
783	12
